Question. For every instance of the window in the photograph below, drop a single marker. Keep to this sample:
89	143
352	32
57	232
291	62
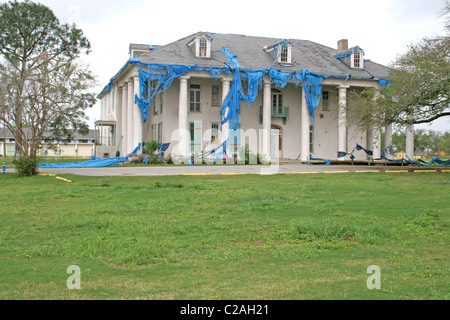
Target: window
214	132
277	102
203	48
283	51
357	59
284	57
160	137
153	131
195	98
326	101
311	139
215	96
155	112
161	102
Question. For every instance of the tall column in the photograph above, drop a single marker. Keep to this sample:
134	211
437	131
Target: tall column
376	136
118	116
226	85
267	120
124	148
183	128
342	121
410	141
376	143
388	137
137	120
305	129
130	117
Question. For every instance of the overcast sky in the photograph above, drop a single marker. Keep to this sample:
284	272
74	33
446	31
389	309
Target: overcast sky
383	28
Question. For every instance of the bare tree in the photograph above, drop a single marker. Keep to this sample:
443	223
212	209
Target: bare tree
42	85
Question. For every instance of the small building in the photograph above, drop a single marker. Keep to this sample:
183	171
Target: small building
82	146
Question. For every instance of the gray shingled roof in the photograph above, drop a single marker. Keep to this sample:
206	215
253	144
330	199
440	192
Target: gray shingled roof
251	55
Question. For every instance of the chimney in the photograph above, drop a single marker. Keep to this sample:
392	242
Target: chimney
342	45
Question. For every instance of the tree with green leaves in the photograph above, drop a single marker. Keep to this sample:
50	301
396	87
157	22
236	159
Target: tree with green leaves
418	90
427	141
42	84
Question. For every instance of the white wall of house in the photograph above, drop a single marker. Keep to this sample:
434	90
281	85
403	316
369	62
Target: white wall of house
325	138
325	133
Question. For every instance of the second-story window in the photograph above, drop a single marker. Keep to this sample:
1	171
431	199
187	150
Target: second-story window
215	96
326	100
195	98
277	102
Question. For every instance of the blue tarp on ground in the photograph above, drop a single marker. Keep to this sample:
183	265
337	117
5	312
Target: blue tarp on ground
95	163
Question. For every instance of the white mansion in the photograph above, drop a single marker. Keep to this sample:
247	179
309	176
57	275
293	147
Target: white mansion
287	98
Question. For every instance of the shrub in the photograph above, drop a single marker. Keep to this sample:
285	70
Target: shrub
151	147
250	158
26	167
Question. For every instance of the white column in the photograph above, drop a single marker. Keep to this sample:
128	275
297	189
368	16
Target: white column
376	136
226	85
410	141
108	100
137	120
130	117
342	121
267	120
305	129
118	116
124	148
388	137
376	143
183	128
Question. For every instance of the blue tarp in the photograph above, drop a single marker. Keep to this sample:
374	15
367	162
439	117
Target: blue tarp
156	78
436	160
327	162
95	163
349	53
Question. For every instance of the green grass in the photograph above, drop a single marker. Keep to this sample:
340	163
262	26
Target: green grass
242	237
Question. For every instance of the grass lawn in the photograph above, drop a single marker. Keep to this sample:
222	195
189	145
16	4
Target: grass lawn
283	237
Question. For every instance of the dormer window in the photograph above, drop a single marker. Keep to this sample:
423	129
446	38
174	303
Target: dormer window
353	57
284	55
282	52
357	59
201	46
